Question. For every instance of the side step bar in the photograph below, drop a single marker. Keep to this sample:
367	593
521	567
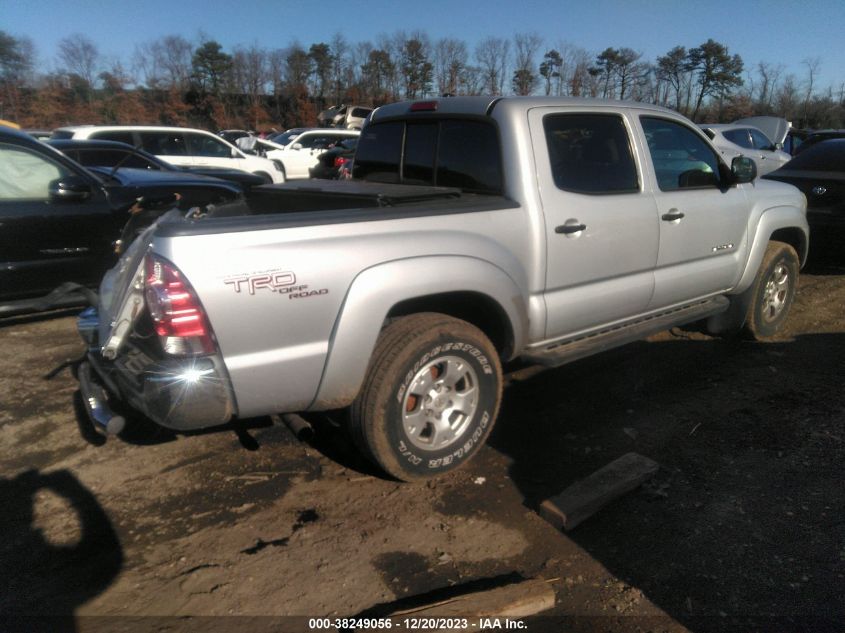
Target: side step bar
575	349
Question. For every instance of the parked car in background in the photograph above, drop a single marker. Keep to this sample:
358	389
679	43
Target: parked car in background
179	146
819	172
94	153
817	136
336	162
733	139
59	221
349	117
233	135
284	138
301	154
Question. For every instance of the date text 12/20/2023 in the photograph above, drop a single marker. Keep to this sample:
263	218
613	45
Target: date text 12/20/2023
417	624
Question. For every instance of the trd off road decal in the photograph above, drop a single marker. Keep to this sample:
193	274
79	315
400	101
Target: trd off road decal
282	282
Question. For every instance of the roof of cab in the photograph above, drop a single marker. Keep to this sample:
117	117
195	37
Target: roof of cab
484	105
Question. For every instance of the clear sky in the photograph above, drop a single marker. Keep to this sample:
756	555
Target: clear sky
773	31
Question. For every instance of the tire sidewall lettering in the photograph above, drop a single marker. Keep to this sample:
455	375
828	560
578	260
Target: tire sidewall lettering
475	434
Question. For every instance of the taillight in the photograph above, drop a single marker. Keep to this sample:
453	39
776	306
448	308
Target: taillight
340	161
177	314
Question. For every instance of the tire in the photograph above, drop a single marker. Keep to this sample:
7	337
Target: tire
774	291
430	397
268	180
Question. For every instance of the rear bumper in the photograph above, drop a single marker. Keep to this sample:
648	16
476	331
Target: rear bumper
177	393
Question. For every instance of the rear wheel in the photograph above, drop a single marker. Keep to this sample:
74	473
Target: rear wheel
774	291
430	397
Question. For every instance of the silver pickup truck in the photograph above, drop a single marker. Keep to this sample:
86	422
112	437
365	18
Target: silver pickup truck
476	231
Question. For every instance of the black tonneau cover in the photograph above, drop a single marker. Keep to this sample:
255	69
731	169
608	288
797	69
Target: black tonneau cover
315	203
316	195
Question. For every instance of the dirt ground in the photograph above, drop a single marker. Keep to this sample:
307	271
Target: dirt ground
742	529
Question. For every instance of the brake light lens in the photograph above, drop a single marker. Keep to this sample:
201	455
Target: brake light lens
177	314
340	161
424	106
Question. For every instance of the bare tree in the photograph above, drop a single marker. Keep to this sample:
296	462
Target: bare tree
79	56
769	76
450	61
165	63
813	65
526	47
492	55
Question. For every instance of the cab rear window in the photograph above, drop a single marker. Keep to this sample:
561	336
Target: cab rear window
443	152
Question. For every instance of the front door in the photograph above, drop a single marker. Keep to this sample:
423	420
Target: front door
703	222
44	240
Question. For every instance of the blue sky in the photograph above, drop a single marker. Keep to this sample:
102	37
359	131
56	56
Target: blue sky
775	31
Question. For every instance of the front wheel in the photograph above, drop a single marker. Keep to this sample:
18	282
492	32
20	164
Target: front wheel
430	397
774	291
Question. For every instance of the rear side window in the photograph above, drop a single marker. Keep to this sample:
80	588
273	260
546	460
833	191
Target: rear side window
760	140
590	153
379	152
740	137
446	153
164	143
210	146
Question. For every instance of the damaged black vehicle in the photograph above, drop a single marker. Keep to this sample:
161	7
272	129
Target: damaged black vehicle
61	224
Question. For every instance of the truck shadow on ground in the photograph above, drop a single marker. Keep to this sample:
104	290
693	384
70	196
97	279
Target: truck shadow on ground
58	549
744	518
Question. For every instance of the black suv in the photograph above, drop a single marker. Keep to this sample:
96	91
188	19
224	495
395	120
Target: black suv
59	221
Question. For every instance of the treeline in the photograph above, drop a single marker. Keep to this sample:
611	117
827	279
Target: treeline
176	82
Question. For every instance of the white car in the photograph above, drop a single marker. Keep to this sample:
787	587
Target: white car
733	139
303	152
180	146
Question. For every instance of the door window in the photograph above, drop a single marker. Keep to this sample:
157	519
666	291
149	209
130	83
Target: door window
164	143
760	140
738	137
25	175
590	153
209	146
681	158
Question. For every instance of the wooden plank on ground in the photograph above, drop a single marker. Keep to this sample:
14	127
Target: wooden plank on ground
586	497
517	600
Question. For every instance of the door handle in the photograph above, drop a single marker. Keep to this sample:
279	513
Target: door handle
673	215
568	229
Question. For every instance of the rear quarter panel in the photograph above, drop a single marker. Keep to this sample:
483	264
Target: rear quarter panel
274	296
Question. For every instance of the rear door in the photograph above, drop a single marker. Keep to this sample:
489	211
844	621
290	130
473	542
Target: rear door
45	240
703	223
601	225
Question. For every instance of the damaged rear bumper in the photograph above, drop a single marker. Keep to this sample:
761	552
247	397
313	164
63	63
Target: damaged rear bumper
177	393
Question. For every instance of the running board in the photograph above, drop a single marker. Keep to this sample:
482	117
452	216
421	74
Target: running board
575	349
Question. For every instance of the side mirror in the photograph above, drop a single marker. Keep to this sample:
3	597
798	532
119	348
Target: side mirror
296	146
70	189
743	170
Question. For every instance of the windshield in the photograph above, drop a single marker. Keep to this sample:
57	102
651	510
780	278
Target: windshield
285	137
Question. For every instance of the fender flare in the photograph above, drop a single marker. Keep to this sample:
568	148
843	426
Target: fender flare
771	221
376	290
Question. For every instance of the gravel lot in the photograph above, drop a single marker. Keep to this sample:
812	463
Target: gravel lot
743	528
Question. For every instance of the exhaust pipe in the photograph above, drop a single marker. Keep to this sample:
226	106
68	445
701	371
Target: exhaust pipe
95	400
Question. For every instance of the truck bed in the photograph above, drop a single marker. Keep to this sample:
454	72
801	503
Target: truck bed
331	202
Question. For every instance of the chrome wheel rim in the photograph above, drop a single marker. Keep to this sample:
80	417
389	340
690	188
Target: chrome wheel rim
776	292
440	403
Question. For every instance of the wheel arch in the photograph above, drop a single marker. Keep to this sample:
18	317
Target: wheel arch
473	290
